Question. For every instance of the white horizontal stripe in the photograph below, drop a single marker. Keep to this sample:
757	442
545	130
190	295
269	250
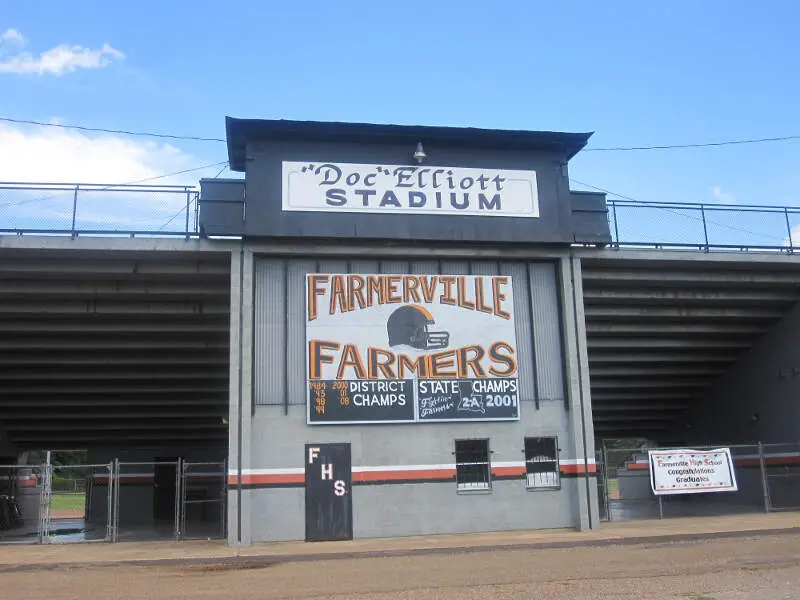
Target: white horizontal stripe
575	461
403	468
300	471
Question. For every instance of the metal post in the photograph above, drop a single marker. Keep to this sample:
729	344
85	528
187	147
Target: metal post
184	469
178	498
188	206
74	209
788	227
616	228
660	509
705	226
604	475
115	507
764	480
196	213
110	503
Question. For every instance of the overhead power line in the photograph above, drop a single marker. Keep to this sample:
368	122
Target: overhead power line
168	136
785	138
674	212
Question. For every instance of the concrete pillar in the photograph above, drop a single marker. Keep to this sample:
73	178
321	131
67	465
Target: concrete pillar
240	409
581	442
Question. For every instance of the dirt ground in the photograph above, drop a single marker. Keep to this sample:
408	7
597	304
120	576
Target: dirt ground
754	568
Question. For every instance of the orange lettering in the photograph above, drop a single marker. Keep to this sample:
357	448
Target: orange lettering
351	358
465	362
499	296
376	364
314	290
461	292
410	292
447	295
316	358
507	360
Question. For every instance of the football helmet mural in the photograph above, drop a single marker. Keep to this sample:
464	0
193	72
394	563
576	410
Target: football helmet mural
408	325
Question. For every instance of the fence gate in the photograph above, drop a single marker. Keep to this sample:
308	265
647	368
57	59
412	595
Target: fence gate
146	500
203	505
602	486
781	467
77	503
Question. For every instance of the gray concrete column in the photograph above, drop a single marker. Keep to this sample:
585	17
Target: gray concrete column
240	408
581	442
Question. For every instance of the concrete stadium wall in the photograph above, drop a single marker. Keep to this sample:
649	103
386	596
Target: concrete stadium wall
409	508
268	412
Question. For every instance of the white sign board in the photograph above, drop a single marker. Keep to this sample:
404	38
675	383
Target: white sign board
408	189
410	348
691	471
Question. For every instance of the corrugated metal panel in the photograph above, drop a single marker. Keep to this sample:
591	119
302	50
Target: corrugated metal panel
426	267
296	324
455	268
333	266
394	266
547	331
270	332
364	266
483	268
522	325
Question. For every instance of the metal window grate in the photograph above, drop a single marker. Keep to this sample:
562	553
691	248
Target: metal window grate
472	465
541	463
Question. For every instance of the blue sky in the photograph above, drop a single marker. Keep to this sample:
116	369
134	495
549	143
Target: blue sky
636	73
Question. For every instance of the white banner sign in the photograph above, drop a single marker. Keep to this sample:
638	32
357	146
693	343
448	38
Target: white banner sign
410	348
691	471
408	189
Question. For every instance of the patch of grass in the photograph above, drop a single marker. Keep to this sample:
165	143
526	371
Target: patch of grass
701	597
68	502
613	488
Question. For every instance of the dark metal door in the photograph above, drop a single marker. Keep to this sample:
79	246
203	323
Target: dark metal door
329	503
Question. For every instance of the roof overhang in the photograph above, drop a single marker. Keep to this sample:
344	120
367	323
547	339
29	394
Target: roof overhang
239	131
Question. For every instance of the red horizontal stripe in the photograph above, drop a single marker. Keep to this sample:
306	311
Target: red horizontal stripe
508	471
578	469
404	475
268	479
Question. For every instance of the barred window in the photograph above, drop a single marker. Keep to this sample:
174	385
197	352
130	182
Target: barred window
472	465
541	463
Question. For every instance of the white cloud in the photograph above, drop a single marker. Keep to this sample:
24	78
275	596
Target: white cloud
11	37
56	61
723	196
51	155
46	154
795	241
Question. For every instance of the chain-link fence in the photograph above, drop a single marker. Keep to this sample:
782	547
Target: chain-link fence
767	476
89	209
21	500
119	501
203	500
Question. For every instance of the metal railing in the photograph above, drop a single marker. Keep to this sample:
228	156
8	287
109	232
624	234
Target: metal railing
98	210
77	209
705	227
